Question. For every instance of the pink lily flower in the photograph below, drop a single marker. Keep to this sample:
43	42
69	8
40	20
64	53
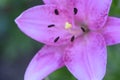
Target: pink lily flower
75	34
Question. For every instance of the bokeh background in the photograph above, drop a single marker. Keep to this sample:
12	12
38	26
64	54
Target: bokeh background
16	49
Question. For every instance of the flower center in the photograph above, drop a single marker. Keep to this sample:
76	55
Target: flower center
68	25
75	30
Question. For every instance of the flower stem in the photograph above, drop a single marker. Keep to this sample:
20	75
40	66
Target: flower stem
47	78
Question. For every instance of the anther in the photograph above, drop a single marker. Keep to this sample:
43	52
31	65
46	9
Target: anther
75	11
56	12
52	25
72	38
56	39
83	29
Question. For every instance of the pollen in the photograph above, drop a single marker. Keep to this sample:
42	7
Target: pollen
68	25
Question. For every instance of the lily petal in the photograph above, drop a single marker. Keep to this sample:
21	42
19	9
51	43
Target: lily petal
47	60
86	58
61	3
45	24
111	31
93	13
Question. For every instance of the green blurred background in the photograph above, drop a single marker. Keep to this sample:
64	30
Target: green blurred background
16	49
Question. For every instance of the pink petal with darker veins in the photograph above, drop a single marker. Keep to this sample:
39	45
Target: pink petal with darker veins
86	58
93	13
111	31
45	24
61	3
47	60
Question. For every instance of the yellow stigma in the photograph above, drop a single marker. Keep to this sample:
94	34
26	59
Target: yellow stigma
68	25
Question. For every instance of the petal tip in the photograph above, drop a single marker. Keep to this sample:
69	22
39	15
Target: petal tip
17	20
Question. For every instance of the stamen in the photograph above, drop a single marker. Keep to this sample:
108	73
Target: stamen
83	29
56	12
52	25
72	38
75	11
56	39
68	25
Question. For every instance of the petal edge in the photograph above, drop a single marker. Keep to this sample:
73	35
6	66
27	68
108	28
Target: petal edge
111	31
47	60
